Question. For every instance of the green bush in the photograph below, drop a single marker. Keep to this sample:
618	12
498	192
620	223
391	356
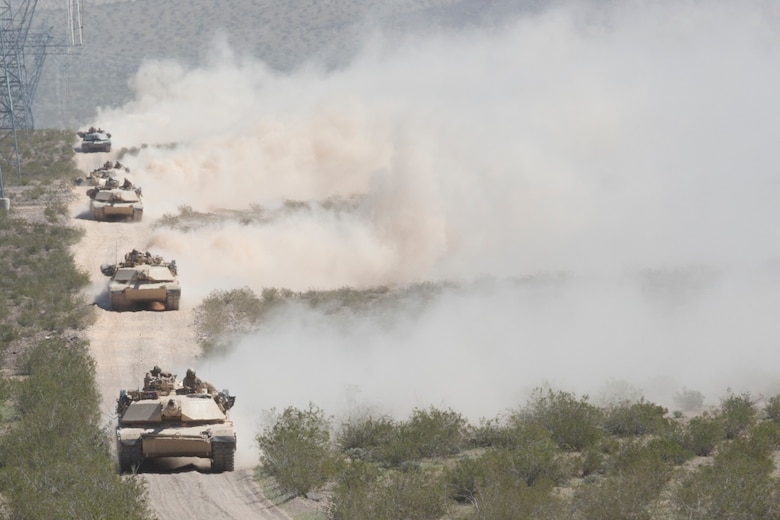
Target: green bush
437	433
738	413
772	409
363	437
769	431
539	461
352	495
618	497
426	434
655	455
365	491
739	484
640	418
467	473
492	486
633	478
296	450
55	458
489	433
535	455
592	461
701	435
225	313
574	424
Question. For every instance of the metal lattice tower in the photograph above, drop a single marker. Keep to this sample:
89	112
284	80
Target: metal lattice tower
22	56
15	107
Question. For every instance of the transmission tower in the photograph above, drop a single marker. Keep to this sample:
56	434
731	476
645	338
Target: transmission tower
22	55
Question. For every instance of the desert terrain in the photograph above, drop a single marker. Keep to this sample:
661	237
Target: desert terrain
595	184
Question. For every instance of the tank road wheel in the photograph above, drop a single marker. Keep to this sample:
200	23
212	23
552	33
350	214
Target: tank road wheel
172	301
223	457
130	458
118	302
138	214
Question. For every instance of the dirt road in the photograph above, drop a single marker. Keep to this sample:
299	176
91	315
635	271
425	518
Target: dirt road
125	346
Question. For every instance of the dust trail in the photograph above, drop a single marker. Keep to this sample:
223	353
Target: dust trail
599	142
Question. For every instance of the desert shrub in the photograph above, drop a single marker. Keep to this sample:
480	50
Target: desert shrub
364	491
738	413
592	461
535	455
689	400
439	433
618	497
739	484
223	313
496	492
296	450
363	437
654	456
467	473
669	451
701	435
488	433
769	431
640	418
574	424
633	478
55	211
539	461
54	458
772	409
427	433
351	497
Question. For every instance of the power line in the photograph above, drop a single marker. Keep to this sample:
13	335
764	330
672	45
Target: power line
22	55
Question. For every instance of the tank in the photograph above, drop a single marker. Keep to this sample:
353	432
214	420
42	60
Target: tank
95	140
115	201
170	418
109	172
143	281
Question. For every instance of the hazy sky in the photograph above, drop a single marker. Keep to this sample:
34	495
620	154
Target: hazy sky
602	143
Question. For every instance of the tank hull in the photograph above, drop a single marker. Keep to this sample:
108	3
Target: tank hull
153	426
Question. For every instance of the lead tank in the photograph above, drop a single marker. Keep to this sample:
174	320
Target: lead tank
168	418
143	280
95	140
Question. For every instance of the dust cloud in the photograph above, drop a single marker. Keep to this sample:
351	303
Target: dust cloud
610	173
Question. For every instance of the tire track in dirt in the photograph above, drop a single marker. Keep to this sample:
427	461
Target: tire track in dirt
125	346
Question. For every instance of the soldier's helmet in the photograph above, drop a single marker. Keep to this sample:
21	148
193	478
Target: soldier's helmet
156	370
190	372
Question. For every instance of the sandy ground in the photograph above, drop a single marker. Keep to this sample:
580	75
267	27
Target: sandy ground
125	346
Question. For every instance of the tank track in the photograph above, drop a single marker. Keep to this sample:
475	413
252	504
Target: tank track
172	301
130	458
223	457
119	302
